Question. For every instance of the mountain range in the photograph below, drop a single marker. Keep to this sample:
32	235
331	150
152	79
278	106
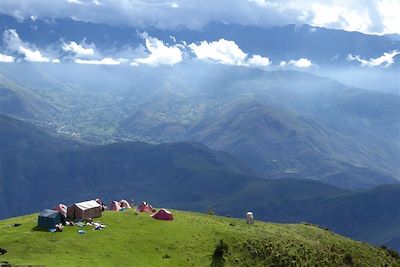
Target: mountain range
280	124
38	170
280	43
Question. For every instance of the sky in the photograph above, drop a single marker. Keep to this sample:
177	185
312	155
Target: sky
367	16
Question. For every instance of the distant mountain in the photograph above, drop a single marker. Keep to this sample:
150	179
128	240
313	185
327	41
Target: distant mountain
322	46
17	101
179	175
278	143
281	123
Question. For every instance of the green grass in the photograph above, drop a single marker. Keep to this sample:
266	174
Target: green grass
189	240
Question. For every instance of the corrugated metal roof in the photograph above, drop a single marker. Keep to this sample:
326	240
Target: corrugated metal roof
87	205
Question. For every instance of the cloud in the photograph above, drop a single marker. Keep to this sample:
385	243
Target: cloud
33	55
387	59
374	16
104	61
259	61
74	2
300	63
227	52
221	51
159	53
78	49
5	58
15	44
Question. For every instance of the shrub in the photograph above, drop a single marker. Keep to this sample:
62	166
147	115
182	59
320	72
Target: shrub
392	252
348	259
220	251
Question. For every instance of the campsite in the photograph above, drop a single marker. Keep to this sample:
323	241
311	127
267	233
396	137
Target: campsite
133	238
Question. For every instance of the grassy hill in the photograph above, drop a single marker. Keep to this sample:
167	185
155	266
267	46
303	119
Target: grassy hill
191	239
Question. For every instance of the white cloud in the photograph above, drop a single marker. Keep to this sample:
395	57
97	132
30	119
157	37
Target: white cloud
369	16
74	2
33	55
159	53
104	61
387	59
6	58
390	10
78	49
301	63
259	61
221	51
174	5
15	44
227	52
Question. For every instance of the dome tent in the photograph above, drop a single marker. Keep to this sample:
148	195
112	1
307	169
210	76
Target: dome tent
48	219
61	208
114	205
124	204
163	214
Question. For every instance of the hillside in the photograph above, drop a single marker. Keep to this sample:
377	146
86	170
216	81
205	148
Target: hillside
278	143
23	103
189	240
305	126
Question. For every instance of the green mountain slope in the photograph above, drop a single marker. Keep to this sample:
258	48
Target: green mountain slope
278	143
345	136
20	102
189	240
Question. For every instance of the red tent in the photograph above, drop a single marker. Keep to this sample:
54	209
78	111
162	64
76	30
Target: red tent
163	214
61	208
145	207
114	205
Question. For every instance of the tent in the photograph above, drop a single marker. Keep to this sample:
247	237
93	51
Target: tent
145	207
84	210
61	208
114	205
124	204
48	219
163	214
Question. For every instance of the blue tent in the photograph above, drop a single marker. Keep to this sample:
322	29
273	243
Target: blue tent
49	218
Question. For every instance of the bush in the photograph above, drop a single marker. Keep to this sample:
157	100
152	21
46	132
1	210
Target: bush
348	259
392	252
219	254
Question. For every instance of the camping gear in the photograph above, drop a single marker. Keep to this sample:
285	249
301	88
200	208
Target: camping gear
114	205
145	207
48	219
80	224
84	210
61	208
163	214
250	217
124	204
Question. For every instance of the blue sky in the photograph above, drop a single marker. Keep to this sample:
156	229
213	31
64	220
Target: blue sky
367	16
